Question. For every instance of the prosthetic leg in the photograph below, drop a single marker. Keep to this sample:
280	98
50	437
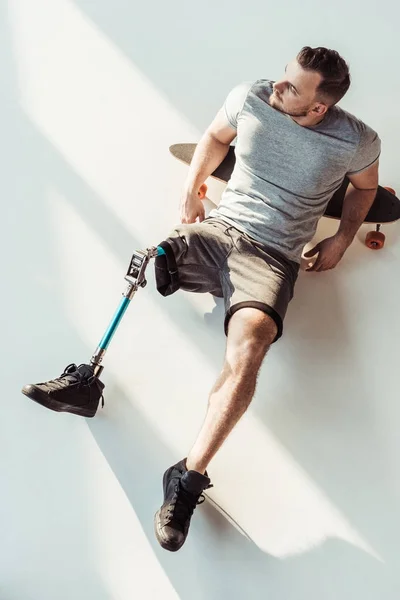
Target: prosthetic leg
78	390
136	279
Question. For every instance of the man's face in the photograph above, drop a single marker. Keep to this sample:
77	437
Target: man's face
295	93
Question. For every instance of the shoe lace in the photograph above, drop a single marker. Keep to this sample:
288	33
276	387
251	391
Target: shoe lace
71	375
183	504
64	379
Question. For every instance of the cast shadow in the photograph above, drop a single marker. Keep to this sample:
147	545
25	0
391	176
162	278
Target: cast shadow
217	561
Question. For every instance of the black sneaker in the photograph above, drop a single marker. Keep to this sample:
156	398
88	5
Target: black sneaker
76	391
182	492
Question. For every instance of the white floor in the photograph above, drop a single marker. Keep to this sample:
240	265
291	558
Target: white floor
92	96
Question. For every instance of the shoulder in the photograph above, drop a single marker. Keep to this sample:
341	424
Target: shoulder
260	88
367	143
360	130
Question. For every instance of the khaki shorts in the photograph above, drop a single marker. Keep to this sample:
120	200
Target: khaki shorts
215	257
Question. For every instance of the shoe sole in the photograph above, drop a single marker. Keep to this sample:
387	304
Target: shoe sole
160	539
47	402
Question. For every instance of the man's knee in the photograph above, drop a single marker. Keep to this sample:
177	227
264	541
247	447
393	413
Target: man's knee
250	333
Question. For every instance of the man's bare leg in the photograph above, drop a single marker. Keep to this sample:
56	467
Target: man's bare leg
250	333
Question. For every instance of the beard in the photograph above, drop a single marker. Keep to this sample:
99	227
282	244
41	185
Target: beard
295	113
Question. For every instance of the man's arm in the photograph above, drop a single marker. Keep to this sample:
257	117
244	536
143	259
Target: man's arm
209	154
359	198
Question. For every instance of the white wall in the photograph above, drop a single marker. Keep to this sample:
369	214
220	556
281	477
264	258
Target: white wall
92	95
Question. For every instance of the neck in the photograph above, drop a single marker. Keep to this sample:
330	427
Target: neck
309	121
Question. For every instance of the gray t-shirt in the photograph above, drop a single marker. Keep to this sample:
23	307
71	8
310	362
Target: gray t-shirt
285	174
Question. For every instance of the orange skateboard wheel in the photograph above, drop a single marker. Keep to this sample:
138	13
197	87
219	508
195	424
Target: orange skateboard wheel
202	191
375	240
391	190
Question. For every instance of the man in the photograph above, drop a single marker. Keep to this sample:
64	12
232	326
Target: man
294	148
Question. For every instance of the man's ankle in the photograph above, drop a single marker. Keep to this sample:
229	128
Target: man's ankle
193	465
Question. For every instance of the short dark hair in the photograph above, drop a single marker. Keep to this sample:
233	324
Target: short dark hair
333	69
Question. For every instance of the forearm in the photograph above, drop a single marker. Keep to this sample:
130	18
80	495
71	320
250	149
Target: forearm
208	155
355	208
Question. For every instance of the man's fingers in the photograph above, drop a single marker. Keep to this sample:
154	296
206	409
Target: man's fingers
316	266
320	266
188	220
313	251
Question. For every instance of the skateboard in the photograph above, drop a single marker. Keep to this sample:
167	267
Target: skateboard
227	516
385	209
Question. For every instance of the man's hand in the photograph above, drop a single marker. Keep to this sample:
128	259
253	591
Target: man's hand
209	154
191	208
330	252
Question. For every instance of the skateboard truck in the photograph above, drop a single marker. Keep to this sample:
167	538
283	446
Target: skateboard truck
376	239
135	277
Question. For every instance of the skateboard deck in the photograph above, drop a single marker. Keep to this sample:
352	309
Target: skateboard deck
385	209
227	516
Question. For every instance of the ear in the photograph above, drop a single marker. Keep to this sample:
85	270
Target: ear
320	109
